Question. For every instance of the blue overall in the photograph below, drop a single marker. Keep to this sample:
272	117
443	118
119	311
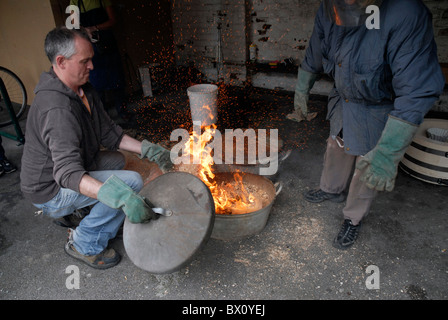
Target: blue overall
392	70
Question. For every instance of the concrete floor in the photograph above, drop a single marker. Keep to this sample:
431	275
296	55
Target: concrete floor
404	239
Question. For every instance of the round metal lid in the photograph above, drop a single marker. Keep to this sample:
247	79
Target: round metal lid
170	242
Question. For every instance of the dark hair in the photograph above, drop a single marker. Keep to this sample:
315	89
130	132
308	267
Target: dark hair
61	41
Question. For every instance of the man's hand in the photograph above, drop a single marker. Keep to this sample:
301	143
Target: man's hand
157	154
381	163
305	81
118	195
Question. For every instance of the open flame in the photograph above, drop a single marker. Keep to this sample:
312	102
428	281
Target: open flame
230	196
338	20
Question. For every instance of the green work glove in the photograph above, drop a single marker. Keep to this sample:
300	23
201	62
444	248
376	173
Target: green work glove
157	154
305	81
381	163
118	195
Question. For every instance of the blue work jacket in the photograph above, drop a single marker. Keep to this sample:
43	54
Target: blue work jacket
393	70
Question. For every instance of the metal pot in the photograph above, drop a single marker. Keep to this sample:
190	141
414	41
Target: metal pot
253	168
262	162
238	226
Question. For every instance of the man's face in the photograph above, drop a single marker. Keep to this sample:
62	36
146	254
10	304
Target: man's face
78	66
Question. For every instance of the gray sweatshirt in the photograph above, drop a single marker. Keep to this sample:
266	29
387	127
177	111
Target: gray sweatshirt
63	138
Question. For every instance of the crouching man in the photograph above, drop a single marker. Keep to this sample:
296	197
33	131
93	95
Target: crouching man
70	159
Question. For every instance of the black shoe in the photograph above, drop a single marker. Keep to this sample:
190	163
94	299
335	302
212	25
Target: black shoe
7	166
72	220
347	235
316	196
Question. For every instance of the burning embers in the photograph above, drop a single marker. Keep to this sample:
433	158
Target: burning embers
203	148
235	197
228	196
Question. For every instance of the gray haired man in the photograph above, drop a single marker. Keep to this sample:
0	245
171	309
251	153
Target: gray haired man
64	165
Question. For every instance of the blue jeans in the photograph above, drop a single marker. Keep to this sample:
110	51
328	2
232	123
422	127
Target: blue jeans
102	223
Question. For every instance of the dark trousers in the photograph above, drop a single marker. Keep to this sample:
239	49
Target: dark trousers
2	150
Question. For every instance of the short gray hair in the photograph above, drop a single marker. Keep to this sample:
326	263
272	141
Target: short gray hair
61	41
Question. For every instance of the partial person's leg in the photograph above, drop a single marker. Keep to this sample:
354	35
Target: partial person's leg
359	200
102	223
105	160
5	165
336	173
338	167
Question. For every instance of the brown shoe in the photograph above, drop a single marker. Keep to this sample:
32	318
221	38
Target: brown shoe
104	260
298	116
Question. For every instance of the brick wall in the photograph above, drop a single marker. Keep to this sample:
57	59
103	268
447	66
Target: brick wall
439	9
197	26
279	28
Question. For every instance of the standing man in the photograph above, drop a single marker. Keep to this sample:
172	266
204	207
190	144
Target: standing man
98	18
64	166
386	79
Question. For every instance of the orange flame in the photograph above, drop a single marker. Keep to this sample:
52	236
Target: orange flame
336	17
230	196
